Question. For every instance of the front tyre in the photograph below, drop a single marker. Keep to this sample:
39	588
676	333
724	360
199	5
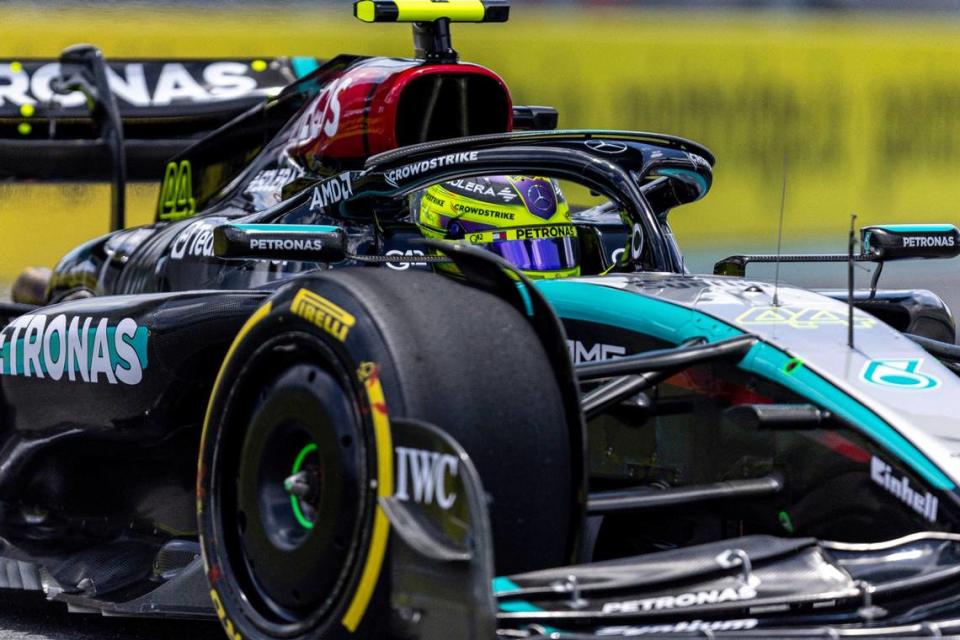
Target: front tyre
297	446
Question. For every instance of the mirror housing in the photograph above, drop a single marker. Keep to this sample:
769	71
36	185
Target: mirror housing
777	416
303	242
879	243
910	241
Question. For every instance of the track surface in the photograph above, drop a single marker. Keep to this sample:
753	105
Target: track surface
28	616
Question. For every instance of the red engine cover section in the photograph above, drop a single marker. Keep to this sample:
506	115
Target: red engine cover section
377	104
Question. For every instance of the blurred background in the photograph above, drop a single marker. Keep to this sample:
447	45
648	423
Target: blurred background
860	97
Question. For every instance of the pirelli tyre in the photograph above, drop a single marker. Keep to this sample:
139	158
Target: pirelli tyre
297	448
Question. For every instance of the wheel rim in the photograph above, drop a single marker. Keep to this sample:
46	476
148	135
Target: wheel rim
292	511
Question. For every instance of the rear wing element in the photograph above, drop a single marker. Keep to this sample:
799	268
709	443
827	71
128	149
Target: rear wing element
164	106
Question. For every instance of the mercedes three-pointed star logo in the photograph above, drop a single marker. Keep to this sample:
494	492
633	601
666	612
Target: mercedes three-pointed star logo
538	199
606	146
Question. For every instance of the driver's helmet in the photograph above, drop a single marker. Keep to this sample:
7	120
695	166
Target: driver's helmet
523	219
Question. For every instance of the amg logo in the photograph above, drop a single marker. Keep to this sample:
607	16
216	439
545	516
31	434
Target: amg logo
693	598
285	244
424	474
597	353
928	241
685	627
925	504
323	313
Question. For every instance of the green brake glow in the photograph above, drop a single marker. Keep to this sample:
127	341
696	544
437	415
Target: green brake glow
294	502
785	521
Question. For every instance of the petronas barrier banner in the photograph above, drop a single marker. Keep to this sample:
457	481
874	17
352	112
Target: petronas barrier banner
865	112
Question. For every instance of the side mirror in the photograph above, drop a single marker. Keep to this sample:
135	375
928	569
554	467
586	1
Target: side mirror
304	242
904	241
879	243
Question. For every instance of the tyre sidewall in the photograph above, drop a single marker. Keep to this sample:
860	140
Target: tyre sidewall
358	351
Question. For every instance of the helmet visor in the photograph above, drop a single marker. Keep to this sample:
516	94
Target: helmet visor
544	248
547	254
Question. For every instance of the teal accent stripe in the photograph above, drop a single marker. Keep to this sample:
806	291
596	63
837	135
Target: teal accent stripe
506	585
917	228
304	66
286	228
658	318
667	171
527	302
503	585
518	606
674	323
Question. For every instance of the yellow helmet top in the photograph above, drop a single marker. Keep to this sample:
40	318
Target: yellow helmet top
524	219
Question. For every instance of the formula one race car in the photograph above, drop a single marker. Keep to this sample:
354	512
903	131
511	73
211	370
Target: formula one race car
401	434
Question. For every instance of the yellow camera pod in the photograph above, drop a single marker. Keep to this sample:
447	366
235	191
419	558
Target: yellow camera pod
432	10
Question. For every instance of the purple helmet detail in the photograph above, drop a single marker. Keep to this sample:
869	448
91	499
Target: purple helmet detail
540	255
467	225
539	196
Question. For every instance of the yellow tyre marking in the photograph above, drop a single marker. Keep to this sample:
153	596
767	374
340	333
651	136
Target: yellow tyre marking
316	309
373	564
257	316
227	623
370	376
